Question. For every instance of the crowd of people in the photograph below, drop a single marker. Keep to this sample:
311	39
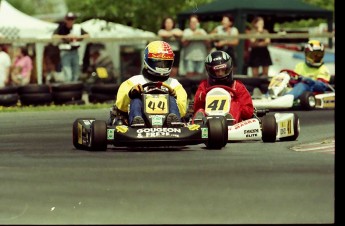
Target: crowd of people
189	55
15	69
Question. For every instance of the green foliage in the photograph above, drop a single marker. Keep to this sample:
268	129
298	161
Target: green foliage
24	6
143	14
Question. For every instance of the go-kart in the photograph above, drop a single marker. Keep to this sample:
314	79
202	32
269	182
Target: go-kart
262	126
95	135
276	97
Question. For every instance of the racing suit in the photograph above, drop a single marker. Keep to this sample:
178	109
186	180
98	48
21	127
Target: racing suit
178	106
241	107
314	79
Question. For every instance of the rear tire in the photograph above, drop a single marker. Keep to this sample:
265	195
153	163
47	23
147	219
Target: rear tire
215	133
98	135
269	128
296	129
307	101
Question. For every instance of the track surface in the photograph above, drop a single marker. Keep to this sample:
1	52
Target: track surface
44	180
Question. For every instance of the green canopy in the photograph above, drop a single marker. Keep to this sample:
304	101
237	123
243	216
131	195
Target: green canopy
274	11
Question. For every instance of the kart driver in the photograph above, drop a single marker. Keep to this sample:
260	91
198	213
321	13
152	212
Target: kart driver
219	69
158	61
315	75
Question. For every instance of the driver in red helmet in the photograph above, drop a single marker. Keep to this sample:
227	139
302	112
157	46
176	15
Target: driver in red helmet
219	68
158	61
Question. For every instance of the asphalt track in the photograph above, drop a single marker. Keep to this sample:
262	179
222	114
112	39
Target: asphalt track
44	180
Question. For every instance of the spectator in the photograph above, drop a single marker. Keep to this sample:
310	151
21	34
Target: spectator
71	34
259	54
101	67
172	35
5	64
195	51
227	28
315	75
21	68
219	69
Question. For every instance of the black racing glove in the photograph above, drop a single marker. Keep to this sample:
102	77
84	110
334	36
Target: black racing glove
135	92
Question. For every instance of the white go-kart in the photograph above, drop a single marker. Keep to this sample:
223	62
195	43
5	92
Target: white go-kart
262	126
281	84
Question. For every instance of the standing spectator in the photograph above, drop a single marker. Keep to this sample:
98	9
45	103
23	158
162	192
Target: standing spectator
227	28
71	34
21	68
195	51
172	35
5	63
259	54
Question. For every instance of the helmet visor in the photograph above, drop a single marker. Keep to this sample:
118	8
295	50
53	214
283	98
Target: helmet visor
315	56
221	70
160	66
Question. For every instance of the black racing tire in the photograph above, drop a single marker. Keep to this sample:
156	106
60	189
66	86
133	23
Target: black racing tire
106	88
75	136
35	99
65	96
296	129
9	90
34	88
8	100
98	136
215	133
307	101
269	128
70	86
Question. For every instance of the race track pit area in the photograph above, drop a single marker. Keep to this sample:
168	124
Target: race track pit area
325	146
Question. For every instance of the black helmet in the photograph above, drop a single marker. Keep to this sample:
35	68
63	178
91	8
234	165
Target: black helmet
158	61
216	62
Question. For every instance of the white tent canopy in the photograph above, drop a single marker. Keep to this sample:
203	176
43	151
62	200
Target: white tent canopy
124	35
100	29
16	24
28	27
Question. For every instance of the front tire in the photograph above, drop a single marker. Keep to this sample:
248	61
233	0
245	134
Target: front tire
98	135
269	128
215	133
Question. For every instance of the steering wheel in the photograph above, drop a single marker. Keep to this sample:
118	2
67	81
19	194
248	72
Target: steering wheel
229	89
156	88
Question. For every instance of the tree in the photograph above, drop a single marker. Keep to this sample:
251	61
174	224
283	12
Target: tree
143	14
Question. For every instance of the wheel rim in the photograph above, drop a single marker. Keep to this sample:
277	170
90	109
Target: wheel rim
312	101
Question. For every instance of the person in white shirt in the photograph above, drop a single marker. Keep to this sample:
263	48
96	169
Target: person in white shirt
5	63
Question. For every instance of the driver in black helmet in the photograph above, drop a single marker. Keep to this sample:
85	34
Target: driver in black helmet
219	68
158	61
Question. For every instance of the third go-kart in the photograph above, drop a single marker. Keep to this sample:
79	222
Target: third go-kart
276	97
95	135
262	126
